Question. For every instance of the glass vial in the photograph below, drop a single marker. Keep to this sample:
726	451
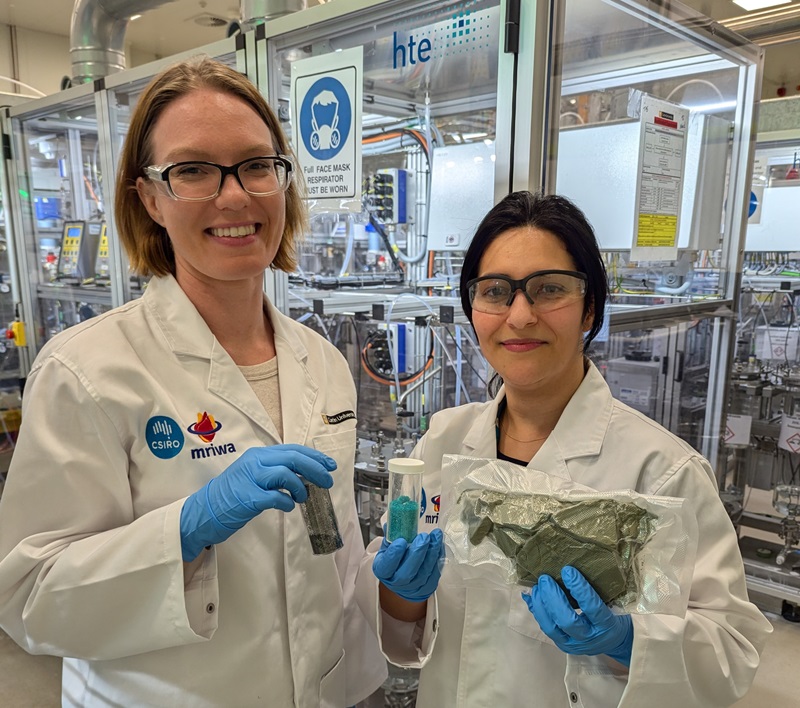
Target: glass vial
320	518
405	492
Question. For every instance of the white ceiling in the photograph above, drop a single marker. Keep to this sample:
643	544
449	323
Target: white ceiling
178	26
174	27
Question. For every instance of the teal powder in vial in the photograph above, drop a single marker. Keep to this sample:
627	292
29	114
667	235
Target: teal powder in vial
403	518
405	492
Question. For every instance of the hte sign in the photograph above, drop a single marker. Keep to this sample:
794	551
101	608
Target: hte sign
413	52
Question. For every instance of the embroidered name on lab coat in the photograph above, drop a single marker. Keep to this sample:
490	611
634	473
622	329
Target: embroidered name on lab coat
337	418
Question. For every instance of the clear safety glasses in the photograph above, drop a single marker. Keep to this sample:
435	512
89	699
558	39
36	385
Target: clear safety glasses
199	181
545	290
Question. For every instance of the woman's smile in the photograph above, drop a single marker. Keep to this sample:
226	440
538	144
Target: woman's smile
233	231
522	345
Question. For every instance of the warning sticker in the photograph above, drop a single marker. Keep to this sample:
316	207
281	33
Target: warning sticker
789	439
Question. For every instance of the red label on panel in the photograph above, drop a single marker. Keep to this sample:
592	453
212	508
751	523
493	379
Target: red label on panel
663	121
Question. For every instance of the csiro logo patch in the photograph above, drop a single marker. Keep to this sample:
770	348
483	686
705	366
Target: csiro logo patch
164	437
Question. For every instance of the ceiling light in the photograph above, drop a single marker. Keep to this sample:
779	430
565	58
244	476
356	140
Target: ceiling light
751	5
206	19
134	17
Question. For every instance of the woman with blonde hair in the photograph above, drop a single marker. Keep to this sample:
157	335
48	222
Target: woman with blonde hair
148	528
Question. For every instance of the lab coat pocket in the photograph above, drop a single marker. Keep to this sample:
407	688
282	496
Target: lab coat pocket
342	442
341	446
522	621
332	686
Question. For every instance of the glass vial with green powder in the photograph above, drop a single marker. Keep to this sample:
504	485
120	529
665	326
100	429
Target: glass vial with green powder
321	523
405	492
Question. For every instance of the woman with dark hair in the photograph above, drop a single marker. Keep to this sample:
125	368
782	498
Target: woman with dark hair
149	532
534	288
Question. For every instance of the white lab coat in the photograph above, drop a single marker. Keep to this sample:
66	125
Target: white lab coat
490	652
89	522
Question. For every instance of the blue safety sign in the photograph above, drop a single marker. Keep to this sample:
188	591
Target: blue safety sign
327	98
326	118
753	204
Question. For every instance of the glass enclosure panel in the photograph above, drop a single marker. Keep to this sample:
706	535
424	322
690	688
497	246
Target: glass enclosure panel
663	371
430	73
771	224
765	382
762	463
762	482
10	414
612	55
63	198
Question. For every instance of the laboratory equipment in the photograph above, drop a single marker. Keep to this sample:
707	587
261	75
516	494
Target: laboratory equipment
76	257
762	486
786	500
102	267
462	191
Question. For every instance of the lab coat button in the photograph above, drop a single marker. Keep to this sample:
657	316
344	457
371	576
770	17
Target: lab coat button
435	626
210	607
573	697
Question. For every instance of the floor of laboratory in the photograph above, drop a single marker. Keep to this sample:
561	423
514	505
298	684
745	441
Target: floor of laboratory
34	681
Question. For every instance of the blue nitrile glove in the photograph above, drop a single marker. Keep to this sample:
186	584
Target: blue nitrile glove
247	487
597	631
411	571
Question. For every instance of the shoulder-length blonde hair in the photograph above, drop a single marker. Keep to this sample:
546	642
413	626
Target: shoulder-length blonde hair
146	242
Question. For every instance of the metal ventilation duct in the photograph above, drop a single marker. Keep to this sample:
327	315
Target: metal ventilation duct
776	26
256	12
97	31
97	35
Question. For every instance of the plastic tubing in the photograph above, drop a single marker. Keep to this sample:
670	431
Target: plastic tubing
423	252
351	237
694	81
388	331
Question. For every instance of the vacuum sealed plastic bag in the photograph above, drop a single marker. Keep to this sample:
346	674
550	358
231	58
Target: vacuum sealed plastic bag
509	525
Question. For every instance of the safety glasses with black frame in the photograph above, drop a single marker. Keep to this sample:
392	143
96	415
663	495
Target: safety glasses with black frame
545	291
199	181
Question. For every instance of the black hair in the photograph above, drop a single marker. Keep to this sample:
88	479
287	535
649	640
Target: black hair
565	221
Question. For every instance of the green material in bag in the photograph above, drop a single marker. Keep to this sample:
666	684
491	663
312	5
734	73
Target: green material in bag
541	534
